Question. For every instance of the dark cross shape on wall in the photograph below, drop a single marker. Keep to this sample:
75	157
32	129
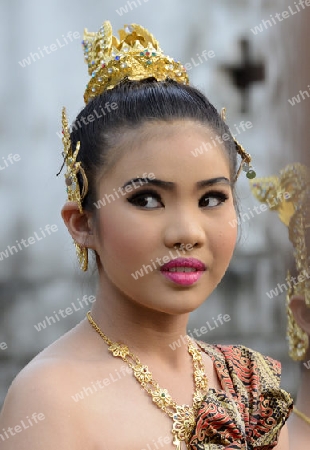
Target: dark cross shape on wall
245	74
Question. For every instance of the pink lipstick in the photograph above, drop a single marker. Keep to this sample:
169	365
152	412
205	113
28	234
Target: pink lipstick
184	271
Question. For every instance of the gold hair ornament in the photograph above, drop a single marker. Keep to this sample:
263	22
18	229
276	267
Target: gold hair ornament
71	179
136	56
292	191
246	159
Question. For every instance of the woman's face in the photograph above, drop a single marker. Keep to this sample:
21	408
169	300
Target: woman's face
186	205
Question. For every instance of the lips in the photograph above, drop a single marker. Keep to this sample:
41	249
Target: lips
183	265
184	271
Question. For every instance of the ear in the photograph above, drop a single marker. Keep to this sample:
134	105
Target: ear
80	225
300	312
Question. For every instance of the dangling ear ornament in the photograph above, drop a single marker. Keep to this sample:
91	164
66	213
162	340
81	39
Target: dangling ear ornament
246	159
72	183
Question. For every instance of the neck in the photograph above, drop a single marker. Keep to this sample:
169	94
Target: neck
147	333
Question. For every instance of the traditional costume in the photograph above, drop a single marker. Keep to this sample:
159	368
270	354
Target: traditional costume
250	409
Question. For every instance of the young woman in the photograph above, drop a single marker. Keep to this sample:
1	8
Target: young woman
157	219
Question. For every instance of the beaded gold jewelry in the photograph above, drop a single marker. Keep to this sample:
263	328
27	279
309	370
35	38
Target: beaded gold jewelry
246	159
73	188
291	190
183	416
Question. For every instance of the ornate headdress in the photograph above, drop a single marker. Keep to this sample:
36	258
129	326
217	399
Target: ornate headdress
292	191
135	56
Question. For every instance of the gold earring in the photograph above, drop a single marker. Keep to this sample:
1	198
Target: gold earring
82	255
73	188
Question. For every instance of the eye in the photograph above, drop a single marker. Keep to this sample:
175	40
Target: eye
213	199
146	199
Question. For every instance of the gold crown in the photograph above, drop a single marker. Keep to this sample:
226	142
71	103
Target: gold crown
136	56
294	211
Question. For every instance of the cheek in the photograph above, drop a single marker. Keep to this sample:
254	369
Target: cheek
124	239
224	236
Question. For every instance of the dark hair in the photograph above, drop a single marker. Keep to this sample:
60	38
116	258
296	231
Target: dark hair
135	103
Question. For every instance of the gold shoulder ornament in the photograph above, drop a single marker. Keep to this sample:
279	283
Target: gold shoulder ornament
292	189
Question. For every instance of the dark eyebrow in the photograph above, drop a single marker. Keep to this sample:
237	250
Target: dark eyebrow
212	181
167	185
170	186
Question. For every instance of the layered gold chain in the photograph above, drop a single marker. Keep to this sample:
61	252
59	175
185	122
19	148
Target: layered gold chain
183	416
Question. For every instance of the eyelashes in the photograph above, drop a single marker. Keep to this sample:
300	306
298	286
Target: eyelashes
139	198
149	199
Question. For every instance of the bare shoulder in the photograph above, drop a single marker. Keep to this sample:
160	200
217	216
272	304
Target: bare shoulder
38	411
283	443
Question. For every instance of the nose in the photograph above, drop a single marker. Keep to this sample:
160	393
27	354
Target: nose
185	228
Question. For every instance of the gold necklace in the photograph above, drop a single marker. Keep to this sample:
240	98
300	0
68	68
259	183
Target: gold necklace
183	416
301	415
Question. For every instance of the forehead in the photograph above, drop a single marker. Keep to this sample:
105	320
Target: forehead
175	149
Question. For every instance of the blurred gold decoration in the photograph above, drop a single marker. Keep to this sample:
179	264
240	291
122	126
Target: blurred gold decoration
291	189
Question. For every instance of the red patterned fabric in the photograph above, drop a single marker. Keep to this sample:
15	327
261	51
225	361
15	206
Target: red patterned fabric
250	410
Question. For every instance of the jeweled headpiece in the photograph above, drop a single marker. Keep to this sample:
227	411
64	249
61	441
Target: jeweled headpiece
136	55
294	211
